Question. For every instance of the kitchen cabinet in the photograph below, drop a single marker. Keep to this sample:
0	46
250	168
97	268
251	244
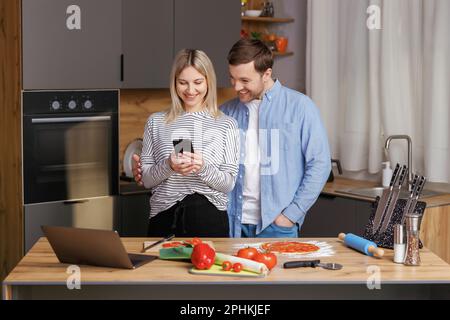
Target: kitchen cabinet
154	31
71	44
212	26
134	214
85	44
147	43
331	215
93	213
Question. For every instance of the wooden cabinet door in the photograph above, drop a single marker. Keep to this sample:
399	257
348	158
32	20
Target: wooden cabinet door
134	215
332	215
329	216
71	44
147	42
209	25
363	209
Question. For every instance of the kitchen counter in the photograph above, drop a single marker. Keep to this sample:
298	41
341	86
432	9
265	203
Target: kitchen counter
330	188
435	225
131	188
40	276
339	184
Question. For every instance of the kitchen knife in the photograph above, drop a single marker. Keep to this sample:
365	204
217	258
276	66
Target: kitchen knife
313	264
411	195
168	238
393	201
417	191
384	200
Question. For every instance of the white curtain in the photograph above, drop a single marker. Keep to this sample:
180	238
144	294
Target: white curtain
370	84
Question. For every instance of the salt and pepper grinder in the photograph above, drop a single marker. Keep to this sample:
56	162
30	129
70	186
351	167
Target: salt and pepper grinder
412	256
399	243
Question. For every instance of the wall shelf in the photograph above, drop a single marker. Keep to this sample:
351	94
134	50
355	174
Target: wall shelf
281	54
259	24
267	19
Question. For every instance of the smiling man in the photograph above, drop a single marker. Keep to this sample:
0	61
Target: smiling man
285	158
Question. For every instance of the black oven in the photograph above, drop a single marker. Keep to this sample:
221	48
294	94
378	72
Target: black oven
70	157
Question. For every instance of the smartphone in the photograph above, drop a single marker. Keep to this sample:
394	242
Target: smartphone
182	145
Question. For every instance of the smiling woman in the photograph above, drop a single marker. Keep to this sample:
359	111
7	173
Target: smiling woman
193	85
189	189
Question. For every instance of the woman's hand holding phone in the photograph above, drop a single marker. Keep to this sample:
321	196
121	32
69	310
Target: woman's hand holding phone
196	161
186	163
178	163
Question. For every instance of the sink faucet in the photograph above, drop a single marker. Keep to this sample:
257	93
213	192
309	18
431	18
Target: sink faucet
407	138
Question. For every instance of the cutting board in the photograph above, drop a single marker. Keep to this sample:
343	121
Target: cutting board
156	248
176	253
216	270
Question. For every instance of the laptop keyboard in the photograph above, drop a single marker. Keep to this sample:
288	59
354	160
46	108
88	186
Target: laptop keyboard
137	258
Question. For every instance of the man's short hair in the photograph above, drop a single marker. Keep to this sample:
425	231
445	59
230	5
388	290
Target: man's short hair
248	50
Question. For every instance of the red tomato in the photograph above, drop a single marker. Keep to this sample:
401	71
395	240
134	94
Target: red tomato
172	244
247	253
226	265
237	267
269	259
194	241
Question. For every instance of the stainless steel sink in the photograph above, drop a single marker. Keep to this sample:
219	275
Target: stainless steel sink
377	191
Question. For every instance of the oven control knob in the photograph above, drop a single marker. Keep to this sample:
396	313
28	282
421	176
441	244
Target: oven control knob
56	105
87	104
72	104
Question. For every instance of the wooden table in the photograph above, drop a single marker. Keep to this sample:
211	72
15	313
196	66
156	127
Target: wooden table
40	275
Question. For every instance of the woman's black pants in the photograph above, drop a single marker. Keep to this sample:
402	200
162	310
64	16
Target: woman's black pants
194	216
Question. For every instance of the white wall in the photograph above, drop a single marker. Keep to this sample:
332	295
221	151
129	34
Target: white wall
291	70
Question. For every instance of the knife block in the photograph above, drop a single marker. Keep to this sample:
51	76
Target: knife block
386	239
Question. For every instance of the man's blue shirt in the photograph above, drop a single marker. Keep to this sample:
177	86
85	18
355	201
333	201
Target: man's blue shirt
295	156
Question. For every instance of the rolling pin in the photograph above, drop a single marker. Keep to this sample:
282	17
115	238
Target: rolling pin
363	245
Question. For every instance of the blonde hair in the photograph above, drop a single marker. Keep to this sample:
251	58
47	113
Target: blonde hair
200	61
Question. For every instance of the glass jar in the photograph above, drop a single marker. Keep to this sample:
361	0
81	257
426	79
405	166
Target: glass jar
265	10
412	256
399	243
271	10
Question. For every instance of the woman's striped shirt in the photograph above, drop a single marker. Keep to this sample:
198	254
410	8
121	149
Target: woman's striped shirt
217	139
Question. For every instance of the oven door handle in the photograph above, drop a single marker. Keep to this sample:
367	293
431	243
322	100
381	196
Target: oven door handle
69	202
71	119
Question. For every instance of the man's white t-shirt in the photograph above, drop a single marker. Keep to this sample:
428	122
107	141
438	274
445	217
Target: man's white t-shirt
251	207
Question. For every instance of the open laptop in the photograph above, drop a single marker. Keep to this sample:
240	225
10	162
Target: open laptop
92	247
